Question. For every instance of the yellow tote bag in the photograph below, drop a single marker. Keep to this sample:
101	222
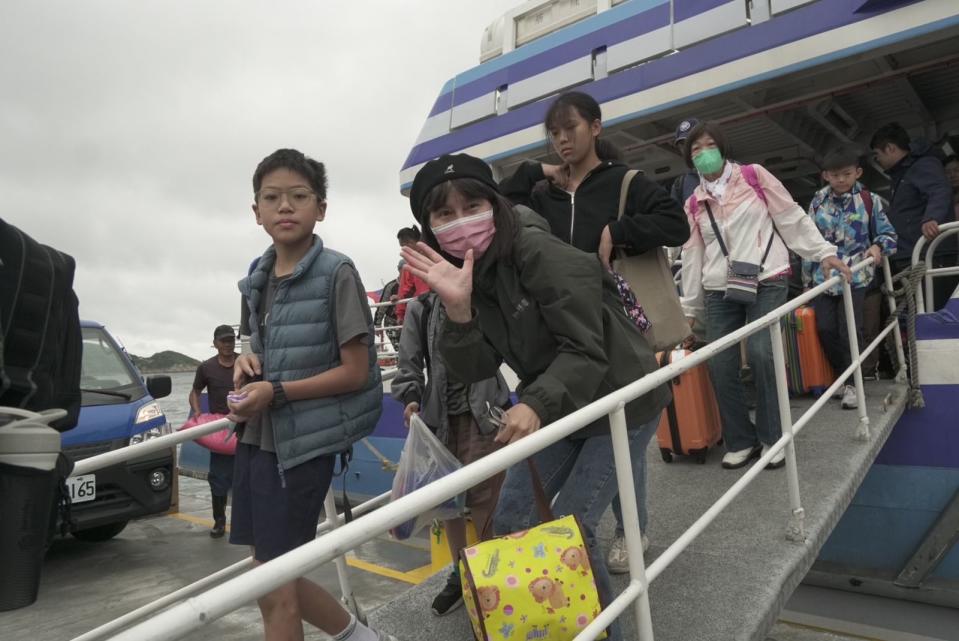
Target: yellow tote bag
534	585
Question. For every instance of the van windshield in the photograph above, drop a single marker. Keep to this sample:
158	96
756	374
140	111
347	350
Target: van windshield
104	368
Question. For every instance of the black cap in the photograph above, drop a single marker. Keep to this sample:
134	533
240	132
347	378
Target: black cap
683	129
447	168
223	331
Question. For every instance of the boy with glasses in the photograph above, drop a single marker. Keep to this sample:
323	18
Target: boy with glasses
311	340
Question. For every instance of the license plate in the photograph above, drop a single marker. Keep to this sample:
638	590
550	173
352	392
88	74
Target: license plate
83	488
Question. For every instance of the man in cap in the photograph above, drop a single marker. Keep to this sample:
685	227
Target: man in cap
216	376
685	183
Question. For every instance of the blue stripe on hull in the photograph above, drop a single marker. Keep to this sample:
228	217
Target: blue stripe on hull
823	16
928	436
889	517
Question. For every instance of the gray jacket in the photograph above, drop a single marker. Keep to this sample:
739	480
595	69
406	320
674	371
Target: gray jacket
410	384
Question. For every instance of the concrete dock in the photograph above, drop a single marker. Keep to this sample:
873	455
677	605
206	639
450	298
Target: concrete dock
732	584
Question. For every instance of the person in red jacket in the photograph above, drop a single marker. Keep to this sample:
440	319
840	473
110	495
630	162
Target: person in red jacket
410	285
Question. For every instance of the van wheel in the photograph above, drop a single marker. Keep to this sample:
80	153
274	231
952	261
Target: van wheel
101	532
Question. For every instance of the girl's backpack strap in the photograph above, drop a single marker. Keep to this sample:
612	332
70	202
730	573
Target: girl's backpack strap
693	205
752	179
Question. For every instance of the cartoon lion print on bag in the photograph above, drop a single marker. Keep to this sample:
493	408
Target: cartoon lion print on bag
488	598
545	589
576	557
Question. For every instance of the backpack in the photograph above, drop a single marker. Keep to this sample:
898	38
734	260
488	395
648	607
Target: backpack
40	338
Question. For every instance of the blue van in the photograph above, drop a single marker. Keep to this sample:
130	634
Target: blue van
118	408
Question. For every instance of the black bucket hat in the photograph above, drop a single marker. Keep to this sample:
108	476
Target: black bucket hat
448	167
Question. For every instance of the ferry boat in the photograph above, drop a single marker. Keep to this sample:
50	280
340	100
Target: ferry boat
788	79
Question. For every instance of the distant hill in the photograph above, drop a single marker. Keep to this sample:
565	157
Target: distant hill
165	362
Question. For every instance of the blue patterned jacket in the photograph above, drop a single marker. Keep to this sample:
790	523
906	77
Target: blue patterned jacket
844	222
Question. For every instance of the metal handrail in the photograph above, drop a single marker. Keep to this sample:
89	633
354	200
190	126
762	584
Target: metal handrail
119	623
225	598
389	303
130	452
927	303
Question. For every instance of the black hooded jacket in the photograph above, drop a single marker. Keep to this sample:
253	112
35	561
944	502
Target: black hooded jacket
651	219
920	193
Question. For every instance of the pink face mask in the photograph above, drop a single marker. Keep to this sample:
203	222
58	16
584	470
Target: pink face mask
470	232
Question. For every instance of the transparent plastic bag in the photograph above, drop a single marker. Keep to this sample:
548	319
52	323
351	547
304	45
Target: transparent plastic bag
424	460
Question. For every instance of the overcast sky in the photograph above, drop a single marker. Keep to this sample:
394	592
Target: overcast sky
130	132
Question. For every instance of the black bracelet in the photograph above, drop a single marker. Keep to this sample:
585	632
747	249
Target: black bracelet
279	395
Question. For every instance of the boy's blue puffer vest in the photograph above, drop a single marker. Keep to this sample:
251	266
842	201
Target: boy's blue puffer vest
302	342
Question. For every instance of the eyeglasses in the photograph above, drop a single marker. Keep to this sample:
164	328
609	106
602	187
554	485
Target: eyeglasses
497	415
298	197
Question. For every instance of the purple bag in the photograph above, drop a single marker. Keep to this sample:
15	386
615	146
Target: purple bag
630	305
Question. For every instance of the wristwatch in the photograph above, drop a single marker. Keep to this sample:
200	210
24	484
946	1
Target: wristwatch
279	396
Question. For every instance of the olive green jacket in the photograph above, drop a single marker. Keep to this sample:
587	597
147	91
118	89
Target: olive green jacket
553	314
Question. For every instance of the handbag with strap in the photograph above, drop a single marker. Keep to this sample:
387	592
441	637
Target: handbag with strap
534	584
652	283
742	278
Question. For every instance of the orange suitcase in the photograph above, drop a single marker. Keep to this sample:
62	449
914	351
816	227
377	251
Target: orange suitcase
815	369
690	424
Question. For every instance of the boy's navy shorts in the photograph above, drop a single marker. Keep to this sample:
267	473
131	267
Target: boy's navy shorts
271	518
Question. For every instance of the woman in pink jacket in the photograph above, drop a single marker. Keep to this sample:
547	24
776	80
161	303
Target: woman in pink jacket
742	220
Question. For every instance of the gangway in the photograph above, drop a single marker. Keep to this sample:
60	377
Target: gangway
734	580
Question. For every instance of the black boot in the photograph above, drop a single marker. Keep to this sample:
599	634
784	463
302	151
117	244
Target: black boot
219	517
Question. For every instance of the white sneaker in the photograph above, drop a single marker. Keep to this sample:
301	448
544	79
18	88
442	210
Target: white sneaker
739	458
617	560
839	392
777	461
850	400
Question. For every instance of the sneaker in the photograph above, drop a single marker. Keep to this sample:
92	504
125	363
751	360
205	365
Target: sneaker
850	400
450	598
617	560
778	461
739	458
218	529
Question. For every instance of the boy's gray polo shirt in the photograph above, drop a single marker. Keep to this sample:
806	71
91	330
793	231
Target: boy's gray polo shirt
349	323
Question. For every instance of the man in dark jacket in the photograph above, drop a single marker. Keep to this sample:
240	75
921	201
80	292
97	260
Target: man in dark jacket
920	200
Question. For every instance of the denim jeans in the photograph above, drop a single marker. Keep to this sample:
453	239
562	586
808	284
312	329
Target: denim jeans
583	475
722	318
637	451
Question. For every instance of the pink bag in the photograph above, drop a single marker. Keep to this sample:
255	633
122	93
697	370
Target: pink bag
222	441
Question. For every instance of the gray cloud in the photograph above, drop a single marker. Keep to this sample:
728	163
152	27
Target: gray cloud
131	130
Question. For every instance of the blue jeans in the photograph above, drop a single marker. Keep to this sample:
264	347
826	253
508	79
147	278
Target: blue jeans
583	474
722	318
637	450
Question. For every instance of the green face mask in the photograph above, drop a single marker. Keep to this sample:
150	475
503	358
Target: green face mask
709	161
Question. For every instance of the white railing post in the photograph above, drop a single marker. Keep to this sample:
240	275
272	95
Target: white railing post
862	431
346	590
795	530
634	537
897	335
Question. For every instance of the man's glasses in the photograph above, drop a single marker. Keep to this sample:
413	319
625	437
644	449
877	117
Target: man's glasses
298	197
497	415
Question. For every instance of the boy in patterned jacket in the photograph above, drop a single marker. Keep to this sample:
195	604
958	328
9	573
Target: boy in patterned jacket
852	219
